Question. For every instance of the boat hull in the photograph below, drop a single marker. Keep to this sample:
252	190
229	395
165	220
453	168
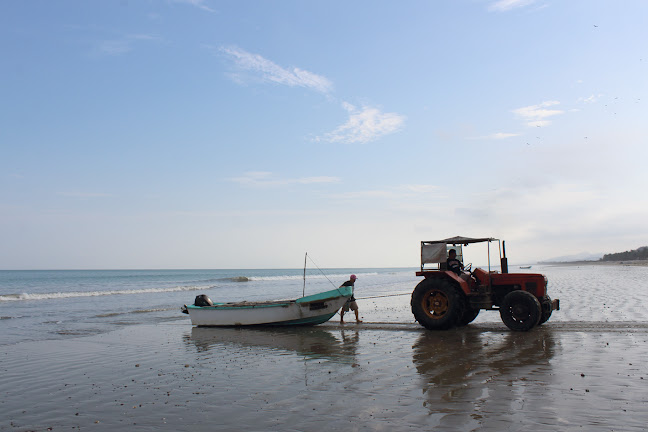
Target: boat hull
309	310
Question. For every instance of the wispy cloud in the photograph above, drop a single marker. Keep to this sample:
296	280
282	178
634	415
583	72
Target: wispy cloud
536	115
496	136
269	71
229	213
365	125
200	4
115	47
590	99
507	5
266	178
397	192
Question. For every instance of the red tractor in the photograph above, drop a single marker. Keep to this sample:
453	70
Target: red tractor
447	298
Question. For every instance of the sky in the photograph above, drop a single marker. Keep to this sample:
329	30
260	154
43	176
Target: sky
227	134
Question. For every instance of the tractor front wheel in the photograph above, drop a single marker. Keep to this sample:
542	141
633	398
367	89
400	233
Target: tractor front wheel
520	310
437	304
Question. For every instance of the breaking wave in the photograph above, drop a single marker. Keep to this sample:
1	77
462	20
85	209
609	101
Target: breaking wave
75	294
239	279
344	276
297	276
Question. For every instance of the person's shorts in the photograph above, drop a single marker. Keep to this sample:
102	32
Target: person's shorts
350	305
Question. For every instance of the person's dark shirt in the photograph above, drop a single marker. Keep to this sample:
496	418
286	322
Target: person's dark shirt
454	265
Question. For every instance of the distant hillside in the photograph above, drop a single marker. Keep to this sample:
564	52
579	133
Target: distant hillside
637	254
583	256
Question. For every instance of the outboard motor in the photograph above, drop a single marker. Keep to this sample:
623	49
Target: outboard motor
203	300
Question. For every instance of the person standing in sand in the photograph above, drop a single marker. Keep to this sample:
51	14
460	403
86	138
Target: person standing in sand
351	302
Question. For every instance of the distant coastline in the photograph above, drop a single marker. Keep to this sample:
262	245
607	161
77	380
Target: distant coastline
597	262
635	257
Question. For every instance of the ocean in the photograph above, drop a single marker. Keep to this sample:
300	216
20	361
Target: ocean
58	304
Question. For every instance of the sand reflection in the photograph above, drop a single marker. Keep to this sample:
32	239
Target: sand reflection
311	342
472	372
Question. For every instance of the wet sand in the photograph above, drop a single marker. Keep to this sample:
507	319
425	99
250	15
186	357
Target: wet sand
576	376
585	369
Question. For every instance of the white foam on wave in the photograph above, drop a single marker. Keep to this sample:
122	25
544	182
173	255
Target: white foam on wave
74	294
315	276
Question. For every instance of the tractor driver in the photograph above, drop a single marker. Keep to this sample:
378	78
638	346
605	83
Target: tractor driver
453	263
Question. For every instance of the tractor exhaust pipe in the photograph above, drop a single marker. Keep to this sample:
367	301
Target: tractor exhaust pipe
504	259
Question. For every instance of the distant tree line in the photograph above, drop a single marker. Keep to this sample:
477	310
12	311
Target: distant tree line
637	254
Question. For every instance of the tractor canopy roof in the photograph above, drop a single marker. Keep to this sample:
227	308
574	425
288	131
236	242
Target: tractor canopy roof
461	240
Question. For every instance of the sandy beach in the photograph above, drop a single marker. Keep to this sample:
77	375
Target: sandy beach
585	369
577	376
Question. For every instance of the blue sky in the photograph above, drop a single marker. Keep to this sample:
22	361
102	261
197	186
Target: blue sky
207	134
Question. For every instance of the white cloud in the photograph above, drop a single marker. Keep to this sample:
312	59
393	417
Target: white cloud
420	188
503	135
364	126
266	178
557	214
590	99
536	115
401	192
497	136
271	72
507	5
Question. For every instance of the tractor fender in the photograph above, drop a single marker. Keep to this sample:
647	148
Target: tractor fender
462	284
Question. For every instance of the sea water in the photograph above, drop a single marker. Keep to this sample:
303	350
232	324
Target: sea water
55	304
42	305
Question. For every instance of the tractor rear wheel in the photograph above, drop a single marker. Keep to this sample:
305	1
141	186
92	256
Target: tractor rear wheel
468	316
520	310
437	304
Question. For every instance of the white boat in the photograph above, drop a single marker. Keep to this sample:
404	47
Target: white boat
308	310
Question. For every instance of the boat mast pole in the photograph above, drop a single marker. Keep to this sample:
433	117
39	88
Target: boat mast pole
304	290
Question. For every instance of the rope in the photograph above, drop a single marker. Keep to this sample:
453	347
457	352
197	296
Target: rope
336	287
311	260
387	295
